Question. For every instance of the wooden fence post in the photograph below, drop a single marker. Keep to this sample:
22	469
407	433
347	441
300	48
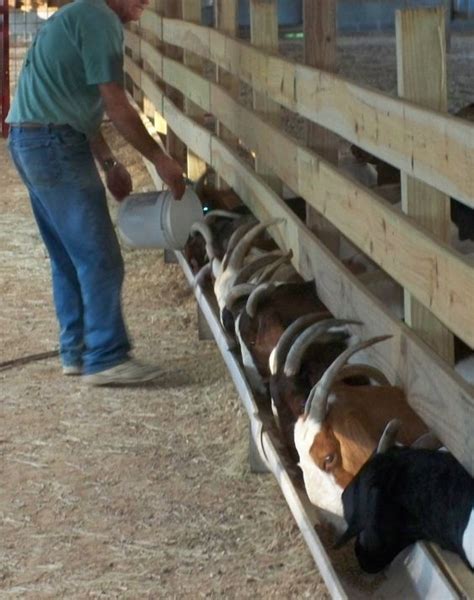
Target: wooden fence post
421	66
176	148
191	11
264	34
320	34
225	17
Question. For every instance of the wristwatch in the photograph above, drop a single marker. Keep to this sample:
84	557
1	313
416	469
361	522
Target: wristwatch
109	163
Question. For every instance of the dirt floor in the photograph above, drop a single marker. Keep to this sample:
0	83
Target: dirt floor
145	492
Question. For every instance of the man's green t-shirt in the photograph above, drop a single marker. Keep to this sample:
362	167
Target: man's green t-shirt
78	48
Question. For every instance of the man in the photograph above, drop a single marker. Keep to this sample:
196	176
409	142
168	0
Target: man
73	71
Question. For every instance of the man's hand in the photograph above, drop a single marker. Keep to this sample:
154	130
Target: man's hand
119	182
171	173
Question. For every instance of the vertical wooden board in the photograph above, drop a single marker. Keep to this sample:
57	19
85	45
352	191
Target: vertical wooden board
225	15
264	34
191	11
320	33
421	68
176	148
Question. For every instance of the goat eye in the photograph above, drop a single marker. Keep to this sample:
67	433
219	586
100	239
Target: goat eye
329	461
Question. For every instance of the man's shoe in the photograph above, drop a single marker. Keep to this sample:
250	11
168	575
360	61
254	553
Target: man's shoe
72	370
127	373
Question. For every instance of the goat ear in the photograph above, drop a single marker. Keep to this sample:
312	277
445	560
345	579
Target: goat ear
428	441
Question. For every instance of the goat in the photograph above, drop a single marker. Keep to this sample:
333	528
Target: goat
402	495
302	354
209	238
260	323
340	428
226	271
269	310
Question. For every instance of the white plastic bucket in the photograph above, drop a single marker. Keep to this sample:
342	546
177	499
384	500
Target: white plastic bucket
157	220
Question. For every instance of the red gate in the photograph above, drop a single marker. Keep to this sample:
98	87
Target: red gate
4	66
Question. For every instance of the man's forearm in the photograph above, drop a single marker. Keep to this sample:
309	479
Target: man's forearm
129	124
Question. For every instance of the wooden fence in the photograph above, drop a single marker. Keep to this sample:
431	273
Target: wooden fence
429	146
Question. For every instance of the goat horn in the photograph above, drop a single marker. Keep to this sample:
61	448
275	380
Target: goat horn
324	385
203	272
247	271
268	273
218	212
308	337
237	292
361	369
239	253
388	436
204	229
428	441
286	339
234	240
259	293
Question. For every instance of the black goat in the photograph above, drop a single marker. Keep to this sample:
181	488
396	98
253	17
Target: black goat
404	495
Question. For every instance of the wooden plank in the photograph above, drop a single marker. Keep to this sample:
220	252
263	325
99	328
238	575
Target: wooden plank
225	21
174	145
152	22
191	11
436	392
132	41
421	66
153	57
436	275
153	92
193	85
320	33
191	37
436	148
197	138
264	34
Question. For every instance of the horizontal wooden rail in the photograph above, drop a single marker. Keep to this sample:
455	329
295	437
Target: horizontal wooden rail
431	146
433	273
434	390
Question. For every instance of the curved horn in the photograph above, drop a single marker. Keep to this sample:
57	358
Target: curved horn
204	229
237	292
318	410
239	253
308	337
223	214
428	441
201	275
250	269
324	385
280	351
361	369
268	273
388	436
234	240
262	291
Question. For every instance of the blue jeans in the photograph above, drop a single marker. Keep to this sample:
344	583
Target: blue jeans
70	207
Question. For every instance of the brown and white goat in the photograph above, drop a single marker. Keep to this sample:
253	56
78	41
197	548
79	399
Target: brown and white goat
259	325
302	354
340	429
